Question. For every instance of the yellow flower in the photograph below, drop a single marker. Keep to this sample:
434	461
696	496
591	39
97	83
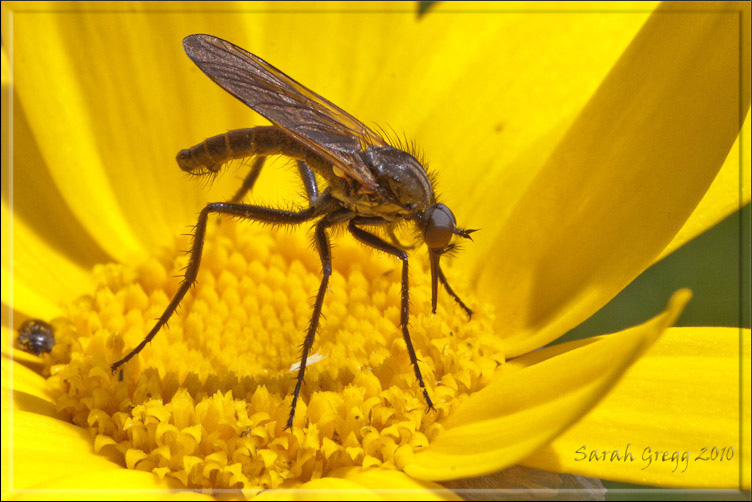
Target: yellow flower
586	145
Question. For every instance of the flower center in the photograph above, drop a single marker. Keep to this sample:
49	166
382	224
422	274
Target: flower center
207	400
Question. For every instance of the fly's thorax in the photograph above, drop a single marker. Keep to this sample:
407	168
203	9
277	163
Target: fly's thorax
404	182
366	204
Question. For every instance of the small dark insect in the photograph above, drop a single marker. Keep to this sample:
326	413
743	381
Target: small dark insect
36	336
369	182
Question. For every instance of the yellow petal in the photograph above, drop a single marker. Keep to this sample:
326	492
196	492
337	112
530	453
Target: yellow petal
729	192
625	178
185	495
683	398
15	354
24	390
52	94
533	399
40	265
354	483
396	485
500	81
322	489
4	75
113	483
48	454
39	275
31	271
110	151
41	445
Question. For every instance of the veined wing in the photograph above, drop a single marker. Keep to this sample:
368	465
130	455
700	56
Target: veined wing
315	121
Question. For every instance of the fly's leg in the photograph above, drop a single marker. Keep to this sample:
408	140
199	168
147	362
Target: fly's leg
249	180
325	253
375	242
243	211
309	181
451	292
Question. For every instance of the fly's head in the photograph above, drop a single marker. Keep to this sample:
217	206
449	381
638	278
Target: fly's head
439	227
406	184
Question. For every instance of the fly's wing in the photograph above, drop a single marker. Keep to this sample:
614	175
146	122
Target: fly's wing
319	124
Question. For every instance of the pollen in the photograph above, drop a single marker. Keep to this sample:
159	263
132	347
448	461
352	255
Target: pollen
207	401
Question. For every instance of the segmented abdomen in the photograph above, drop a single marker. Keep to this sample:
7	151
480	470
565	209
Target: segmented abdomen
208	156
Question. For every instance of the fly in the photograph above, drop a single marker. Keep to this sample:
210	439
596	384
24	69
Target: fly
369	182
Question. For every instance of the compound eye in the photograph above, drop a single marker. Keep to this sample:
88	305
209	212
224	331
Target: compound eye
440	226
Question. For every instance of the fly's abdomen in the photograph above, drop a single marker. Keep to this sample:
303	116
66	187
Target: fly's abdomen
210	155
